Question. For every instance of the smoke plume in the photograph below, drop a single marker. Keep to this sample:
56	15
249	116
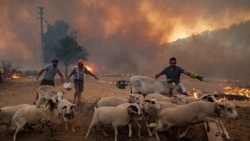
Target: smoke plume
125	35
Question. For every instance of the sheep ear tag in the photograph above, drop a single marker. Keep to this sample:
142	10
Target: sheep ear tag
121	84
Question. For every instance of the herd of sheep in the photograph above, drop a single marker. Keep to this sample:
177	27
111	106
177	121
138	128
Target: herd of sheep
148	103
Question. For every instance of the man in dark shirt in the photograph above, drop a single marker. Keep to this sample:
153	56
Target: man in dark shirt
50	72
173	73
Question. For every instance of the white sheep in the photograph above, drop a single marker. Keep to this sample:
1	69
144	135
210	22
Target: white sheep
45	92
146	85
66	110
204	97
174	99
116	116
167	102
198	112
6	114
115	101
152	106
32	115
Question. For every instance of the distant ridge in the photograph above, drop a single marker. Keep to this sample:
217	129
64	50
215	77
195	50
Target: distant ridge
225	51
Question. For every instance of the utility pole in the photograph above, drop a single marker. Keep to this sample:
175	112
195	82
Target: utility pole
40	12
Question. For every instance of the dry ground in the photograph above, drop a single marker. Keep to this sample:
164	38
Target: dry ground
19	91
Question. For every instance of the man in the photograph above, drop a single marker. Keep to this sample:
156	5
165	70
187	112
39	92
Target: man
50	73
173	73
78	72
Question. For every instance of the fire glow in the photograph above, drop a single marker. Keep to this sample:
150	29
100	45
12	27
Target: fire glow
228	90
89	68
15	76
237	91
164	21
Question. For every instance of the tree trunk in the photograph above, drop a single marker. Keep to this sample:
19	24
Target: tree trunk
1	79
66	70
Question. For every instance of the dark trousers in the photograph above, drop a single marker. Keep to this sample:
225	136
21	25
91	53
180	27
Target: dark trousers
48	82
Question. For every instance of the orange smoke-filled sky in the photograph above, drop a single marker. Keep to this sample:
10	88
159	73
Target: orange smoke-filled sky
122	26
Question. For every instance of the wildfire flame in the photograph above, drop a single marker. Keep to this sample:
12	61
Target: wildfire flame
227	90
89	68
195	92
15	76
237	91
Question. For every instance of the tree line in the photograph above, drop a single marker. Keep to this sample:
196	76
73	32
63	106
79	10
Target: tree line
61	44
58	43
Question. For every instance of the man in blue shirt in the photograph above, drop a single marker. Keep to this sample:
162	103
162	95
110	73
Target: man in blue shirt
78	76
173	73
50	73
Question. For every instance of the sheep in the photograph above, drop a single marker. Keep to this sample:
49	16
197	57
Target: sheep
146	85
31	115
115	116
199	112
175	99
152	106
45	92
208	97
66	109
204	97
6	114
115	101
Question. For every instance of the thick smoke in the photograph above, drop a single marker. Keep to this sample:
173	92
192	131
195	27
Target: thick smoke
122	36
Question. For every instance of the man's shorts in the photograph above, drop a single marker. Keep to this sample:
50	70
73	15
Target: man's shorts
78	85
47	82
